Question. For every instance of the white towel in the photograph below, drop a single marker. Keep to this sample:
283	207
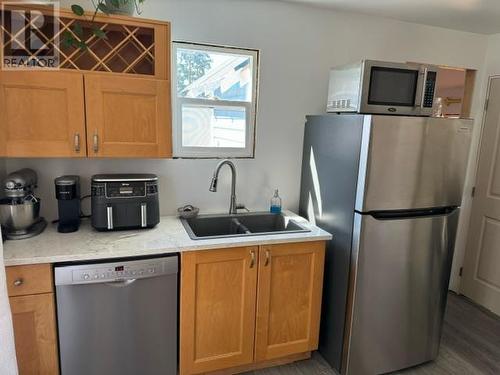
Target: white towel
8	362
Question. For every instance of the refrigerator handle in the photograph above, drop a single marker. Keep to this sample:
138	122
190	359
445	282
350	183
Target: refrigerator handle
411	214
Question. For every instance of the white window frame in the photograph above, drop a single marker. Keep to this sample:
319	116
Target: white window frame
180	151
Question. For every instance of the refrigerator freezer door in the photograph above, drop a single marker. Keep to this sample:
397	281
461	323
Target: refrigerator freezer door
412	162
400	275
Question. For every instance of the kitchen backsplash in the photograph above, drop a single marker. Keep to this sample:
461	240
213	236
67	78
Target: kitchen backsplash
180	181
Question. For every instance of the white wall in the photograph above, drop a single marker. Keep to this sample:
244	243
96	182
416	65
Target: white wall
299	44
492	66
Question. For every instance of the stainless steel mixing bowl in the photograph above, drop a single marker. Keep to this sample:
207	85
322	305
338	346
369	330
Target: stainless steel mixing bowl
18	217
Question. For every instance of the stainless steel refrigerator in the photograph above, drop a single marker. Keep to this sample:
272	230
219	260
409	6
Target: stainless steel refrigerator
389	189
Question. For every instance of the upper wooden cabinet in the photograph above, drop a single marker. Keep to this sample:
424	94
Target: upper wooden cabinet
41	114
111	99
127	117
247	307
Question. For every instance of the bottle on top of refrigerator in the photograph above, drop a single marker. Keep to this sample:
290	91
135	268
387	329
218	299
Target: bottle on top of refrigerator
276	203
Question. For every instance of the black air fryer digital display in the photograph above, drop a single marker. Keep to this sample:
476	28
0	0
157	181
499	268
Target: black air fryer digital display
125	189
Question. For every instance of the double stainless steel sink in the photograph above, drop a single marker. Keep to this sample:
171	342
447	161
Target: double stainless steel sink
240	225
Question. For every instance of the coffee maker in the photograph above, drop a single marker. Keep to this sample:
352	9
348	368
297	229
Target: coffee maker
20	209
68	201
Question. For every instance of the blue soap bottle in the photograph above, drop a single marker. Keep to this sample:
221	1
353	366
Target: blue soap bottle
276	203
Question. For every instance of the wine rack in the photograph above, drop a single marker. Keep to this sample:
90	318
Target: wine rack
126	45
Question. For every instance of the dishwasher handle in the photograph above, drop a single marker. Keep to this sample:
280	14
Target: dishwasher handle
121	283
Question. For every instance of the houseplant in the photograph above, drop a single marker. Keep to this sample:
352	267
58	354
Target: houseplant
126	7
75	36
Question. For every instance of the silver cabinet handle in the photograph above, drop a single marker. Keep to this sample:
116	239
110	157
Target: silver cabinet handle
109	212
77	142
144	215
268	258
18	282
252	260
96	142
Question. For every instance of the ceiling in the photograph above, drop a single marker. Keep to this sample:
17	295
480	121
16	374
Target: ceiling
477	16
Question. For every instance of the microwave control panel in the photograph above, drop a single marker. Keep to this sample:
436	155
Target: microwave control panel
430	87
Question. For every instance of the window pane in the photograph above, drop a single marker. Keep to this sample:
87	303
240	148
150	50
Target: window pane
213	126
214	75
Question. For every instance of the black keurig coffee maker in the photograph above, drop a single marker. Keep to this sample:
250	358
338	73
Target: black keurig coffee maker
68	198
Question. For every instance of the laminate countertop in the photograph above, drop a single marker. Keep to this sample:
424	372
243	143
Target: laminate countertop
169	236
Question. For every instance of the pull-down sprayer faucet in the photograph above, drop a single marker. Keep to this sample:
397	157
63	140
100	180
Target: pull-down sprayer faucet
213	185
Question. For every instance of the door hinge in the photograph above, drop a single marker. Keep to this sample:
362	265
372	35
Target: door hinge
473	192
461	271
486	103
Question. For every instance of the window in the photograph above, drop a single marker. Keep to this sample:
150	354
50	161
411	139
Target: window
215	100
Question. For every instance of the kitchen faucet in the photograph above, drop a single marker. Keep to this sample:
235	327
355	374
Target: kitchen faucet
233	207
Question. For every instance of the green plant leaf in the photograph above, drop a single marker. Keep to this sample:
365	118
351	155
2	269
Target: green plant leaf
99	33
77	9
82	45
103	8
78	30
67	39
116	3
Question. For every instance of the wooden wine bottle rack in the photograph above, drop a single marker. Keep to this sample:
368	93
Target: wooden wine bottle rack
131	46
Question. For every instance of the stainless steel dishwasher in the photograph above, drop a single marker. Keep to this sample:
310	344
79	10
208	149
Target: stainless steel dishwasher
118	317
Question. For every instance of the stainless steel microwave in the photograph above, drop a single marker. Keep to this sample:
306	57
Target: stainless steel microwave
382	87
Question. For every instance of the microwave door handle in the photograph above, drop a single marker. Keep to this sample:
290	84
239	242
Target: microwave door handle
424	82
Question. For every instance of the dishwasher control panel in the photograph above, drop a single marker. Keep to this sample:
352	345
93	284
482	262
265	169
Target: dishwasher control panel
115	273
118	271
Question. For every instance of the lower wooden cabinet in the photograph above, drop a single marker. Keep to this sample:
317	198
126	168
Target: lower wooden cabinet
34	319
241	308
217	325
35	334
289	299
249	305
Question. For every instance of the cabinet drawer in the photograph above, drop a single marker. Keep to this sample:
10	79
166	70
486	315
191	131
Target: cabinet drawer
32	279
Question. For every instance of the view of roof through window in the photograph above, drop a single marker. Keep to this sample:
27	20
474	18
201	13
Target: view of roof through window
218	84
214	75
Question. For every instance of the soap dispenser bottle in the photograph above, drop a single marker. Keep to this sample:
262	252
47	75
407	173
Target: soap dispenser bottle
276	203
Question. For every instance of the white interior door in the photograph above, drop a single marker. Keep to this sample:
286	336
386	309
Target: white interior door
481	273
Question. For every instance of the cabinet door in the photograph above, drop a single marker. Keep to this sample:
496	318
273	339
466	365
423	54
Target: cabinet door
128	117
42	114
289	299
217	324
35	334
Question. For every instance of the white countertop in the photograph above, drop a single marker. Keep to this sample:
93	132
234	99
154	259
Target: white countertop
169	236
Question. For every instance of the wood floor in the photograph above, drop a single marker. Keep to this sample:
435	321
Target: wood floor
470	345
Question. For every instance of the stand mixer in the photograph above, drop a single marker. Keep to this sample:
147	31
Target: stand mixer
20	209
